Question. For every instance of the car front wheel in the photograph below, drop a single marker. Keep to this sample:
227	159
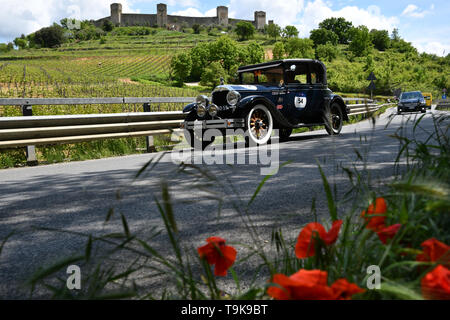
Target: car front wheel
334	119
259	125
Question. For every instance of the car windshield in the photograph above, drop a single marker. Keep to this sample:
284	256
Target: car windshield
411	95
263	76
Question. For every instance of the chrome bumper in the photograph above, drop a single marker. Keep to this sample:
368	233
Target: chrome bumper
214	124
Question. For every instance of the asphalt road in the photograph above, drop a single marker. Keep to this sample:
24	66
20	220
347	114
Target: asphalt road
77	196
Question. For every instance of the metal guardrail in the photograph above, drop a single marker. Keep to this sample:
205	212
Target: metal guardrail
30	130
442	104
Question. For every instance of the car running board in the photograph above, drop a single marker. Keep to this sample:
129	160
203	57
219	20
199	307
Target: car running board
307	125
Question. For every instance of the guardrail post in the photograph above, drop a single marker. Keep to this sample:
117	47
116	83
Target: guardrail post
149	141
27	111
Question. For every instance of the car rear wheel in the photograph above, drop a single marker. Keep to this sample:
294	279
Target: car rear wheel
259	125
334	119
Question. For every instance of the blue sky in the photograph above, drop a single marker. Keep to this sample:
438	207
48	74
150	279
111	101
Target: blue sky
424	23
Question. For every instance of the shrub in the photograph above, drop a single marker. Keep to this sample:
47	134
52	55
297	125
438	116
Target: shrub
107	26
278	51
196	28
300	48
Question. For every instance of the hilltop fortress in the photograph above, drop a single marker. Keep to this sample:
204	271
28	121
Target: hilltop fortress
163	20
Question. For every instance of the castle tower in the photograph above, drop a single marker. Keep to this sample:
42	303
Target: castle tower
260	20
116	13
222	16
161	15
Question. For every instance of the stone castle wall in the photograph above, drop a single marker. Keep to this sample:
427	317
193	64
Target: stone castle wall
162	19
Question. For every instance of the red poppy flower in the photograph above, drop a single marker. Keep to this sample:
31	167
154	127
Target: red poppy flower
343	290
311	285
305	246
434	250
388	232
436	284
302	285
375	215
218	254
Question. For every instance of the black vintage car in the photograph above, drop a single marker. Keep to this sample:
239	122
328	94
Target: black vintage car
411	101
283	94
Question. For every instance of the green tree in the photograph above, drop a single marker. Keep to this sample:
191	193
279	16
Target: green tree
339	26
212	74
327	52
300	48
322	36
181	66
6	47
200	56
360	43
273	30
49	37
290	32
245	30
196	28
395	35
369	66
255	53
278	51
224	50
107	26
21	43
380	39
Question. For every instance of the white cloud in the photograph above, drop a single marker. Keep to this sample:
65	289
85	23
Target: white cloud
211	13
434	47
413	11
26	16
317	11
282	12
181	3
189	12
193	12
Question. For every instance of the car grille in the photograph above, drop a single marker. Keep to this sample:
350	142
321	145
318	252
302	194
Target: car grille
220	98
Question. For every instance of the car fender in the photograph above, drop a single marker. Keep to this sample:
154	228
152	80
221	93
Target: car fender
189	107
245	104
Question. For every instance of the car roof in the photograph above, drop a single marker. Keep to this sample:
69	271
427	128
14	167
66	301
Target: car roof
412	92
277	63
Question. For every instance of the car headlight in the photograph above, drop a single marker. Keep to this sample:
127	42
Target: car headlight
201	100
201	111
233	97
212	110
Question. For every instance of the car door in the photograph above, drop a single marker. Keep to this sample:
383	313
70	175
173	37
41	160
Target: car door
304	95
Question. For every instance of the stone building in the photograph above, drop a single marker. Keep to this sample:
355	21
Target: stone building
162	19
